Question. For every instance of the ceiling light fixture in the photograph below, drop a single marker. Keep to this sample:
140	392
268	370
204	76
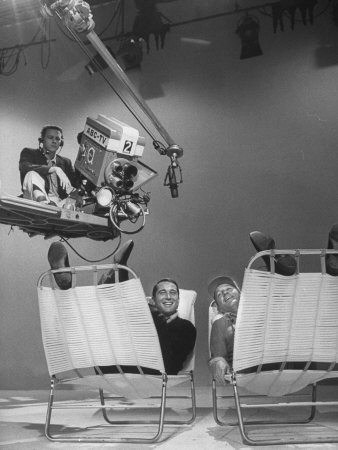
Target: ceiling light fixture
248	30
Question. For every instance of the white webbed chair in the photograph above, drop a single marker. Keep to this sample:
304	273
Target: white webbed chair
286	338
93	325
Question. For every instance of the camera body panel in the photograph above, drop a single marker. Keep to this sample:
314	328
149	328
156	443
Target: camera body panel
108	155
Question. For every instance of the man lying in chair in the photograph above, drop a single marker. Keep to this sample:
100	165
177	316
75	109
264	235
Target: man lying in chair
226	294
177	336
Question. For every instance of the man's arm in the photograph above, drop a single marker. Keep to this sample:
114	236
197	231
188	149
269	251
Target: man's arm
69	179
219	338
220	341
29	160
66	165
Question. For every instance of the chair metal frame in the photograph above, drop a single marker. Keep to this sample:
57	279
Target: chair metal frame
105	382
294	397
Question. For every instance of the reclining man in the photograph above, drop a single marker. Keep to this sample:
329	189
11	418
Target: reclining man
46	176
226	294
177	336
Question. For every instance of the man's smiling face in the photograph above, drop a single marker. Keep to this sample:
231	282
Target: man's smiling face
166	298
227	298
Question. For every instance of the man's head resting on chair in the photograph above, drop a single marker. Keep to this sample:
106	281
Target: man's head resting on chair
166	296
226	293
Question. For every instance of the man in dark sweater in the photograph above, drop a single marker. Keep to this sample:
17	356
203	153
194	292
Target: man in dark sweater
176	336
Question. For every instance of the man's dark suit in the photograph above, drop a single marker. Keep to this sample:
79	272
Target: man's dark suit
34	159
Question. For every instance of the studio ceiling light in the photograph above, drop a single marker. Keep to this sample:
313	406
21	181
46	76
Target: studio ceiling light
130	55
248	30
149	21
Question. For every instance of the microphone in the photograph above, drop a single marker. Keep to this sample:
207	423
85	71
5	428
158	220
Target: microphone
172	181
174	173
173	178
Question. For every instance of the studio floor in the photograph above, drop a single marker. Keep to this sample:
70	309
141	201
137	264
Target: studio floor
22	416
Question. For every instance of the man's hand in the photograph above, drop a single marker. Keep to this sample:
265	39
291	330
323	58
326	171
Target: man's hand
75	194
219	367
64	180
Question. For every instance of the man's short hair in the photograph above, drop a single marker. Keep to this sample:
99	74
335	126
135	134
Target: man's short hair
169	280
50	127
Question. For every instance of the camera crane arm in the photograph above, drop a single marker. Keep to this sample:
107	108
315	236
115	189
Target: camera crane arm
77	18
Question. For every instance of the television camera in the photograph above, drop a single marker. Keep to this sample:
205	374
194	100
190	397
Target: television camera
77	17
108	157
108	161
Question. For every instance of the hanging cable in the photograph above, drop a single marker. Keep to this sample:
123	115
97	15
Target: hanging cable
46	33
9	60
93	260
113	17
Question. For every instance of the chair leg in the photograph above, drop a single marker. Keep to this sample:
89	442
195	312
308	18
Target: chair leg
192	398
188	421
215	398
103	403
214	404
82	438
248	441
49	411
220	422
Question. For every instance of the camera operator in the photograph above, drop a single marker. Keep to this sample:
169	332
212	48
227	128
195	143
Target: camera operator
46	176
